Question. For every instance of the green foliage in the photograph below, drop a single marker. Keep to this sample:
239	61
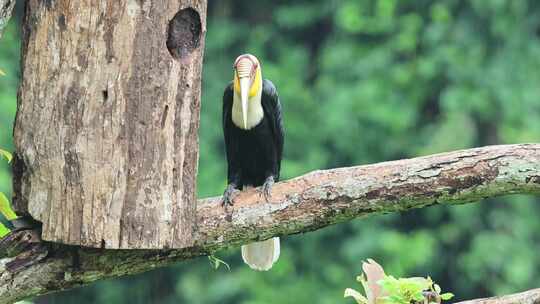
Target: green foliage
5	208
216	262
409	290
386	289
9	62
404	290
3	230
360	82
5	154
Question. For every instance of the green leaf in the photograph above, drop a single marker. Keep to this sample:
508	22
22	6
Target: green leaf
362	279
358	297
447	296
4	230
216	262
2	73
5	208
437	288
6	154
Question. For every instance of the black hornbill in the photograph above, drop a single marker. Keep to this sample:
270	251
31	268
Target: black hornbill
253	132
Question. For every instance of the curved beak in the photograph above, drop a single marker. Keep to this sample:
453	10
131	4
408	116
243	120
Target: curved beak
244	90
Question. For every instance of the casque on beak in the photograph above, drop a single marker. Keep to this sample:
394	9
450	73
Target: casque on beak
245	84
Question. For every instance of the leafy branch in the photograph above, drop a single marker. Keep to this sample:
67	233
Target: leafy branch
380	288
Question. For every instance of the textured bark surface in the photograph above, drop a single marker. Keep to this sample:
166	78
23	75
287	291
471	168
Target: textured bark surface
527	297
107	121
302	204
322	198
6	8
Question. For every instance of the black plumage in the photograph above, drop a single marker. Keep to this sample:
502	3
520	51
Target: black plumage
254	155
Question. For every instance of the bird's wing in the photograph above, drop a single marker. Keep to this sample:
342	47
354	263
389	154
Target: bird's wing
227	104
231	142
272	110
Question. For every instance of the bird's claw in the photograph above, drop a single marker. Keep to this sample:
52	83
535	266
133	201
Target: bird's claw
228	196
266	189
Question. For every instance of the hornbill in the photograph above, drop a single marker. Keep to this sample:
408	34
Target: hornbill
253	133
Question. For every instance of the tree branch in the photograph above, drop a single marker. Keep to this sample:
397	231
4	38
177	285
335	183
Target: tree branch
306	203
527	297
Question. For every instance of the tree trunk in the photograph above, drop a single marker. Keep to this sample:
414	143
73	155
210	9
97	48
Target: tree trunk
107	121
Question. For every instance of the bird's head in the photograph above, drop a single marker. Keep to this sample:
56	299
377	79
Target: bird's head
247	80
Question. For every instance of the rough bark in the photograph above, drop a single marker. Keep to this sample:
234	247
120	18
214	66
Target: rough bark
527	297
6	8
107	121
322	198
306	203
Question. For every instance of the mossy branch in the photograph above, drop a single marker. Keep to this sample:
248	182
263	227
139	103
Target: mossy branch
302	204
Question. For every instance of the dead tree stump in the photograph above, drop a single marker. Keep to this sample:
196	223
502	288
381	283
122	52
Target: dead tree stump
107	121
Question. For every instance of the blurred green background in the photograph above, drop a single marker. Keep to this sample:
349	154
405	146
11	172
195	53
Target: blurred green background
360	82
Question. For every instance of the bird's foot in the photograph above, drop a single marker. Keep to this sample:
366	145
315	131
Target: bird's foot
266	188
228	195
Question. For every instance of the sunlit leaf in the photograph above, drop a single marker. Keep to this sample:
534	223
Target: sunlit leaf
216	262
437	288
5	208
3	230
2	73
447	296
6	155
358	297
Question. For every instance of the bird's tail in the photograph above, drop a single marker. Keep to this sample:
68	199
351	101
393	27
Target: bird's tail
261	255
